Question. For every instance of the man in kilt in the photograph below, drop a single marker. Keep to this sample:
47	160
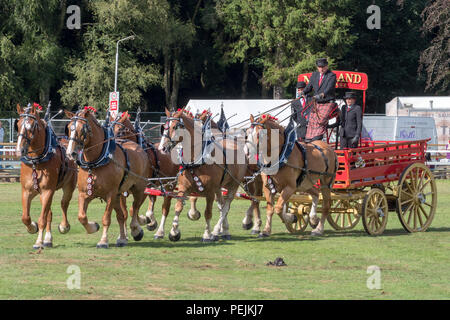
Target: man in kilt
323	81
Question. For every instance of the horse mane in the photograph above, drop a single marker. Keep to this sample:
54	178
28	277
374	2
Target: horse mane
275	124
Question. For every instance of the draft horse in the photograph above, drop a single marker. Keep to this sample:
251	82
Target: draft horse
305	164
205	179
162	166
44	169
107	169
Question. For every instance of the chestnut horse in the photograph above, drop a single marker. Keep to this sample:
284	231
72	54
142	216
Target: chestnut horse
107	169
252	219
204	179
306	164
44	169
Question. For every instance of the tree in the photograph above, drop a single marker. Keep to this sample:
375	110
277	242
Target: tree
286	36
435	60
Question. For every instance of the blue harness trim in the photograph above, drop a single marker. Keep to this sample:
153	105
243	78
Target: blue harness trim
51	143
107	152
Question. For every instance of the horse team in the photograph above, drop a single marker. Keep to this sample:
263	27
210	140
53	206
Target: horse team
113	161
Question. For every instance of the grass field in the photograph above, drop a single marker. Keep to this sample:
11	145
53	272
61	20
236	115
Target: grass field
413	266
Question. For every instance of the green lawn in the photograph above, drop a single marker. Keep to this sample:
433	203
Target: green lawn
413	266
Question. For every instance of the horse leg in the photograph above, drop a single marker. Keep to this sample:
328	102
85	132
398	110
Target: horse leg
135	225
27	196
207	237
48	239
193	213
285	194
269	213
83	203
64	226
247	222
326	204
46	202
152	224
217	228
165	212
121	216
106	221
175	233
224	229
313	219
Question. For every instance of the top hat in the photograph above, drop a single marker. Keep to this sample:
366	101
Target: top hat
301	84
350	95
322	62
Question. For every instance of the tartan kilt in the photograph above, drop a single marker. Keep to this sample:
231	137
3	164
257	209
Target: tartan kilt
318	121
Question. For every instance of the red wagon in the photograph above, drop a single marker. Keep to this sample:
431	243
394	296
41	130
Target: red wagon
377	177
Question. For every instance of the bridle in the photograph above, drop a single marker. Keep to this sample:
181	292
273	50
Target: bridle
179	124
24	134
85	129
124	131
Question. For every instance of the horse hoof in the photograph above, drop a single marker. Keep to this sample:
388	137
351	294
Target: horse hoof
175	237
316	233
226	237
64	230
34	229
206	240
139	236
151	227
102	246
156	237
263	235
247	226
120	244
214	238
97	226
48	245
195	216
147	220
254	232
38	246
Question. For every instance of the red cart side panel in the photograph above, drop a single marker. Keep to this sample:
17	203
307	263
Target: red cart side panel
382	161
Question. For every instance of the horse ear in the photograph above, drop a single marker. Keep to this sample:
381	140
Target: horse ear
19	109
252	119
68	114
167	113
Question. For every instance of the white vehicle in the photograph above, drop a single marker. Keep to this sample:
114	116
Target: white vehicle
399	128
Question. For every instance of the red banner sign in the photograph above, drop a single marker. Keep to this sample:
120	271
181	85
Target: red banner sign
344	79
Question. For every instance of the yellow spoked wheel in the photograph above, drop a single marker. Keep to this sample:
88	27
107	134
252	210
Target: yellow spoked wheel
300	219
417	198
344	214
375	212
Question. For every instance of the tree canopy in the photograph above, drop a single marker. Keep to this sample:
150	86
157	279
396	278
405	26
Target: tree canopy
217	48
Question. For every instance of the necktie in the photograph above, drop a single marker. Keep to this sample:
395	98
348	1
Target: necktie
303	102
320	80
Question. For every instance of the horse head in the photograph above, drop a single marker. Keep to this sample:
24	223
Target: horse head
79	130
27	127
123	128
174	121
260	133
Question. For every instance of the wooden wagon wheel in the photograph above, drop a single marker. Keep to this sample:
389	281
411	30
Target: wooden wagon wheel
417	197
344	214
301	217
375	212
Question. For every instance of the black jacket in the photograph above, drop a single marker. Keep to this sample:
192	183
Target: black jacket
327	86
351	121
299	115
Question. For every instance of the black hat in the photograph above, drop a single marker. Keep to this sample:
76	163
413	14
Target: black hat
322	62
350	95
301	84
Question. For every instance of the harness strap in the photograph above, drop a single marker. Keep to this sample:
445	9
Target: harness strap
305	160
323	156
155	154
127	169
226	166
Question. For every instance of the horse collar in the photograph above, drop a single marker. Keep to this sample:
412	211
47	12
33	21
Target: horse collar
49	149
109	146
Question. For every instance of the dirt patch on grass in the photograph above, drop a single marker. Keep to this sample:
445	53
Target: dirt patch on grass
268	290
